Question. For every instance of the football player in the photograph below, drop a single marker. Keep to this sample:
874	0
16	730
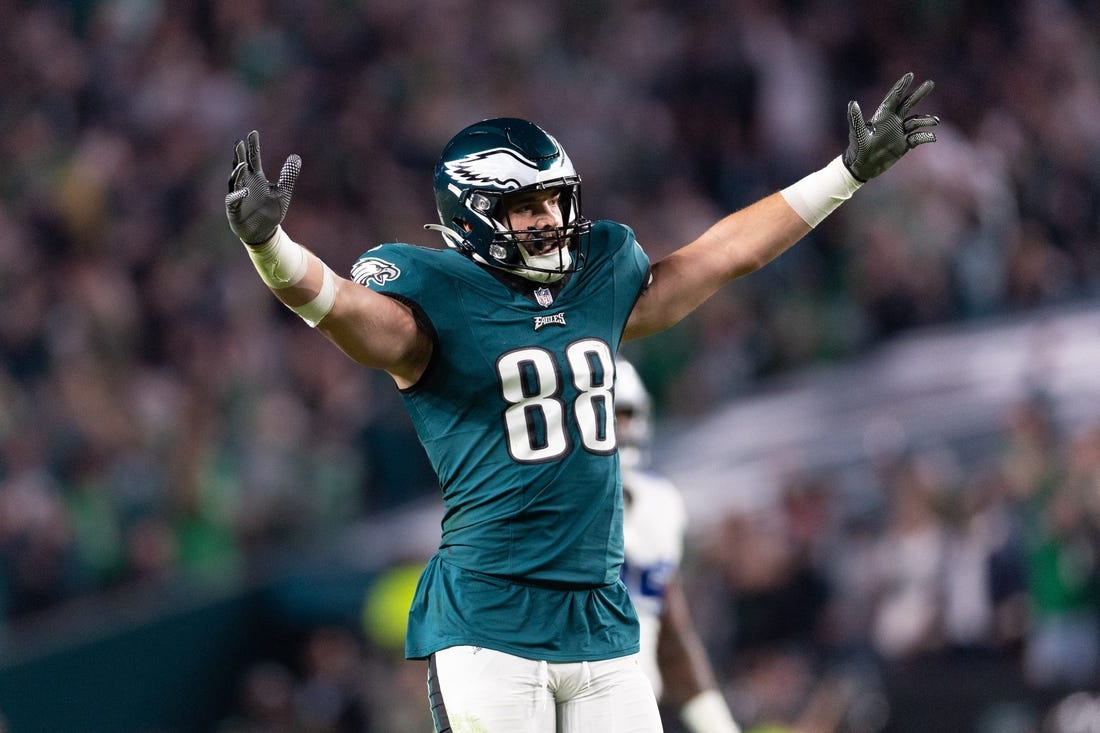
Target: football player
654	524
503	347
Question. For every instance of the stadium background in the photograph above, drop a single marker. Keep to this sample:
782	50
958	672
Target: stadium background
208	516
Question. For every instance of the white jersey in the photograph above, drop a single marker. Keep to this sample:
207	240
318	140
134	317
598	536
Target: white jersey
654	521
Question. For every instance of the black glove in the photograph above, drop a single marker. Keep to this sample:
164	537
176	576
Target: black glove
254	206
876	145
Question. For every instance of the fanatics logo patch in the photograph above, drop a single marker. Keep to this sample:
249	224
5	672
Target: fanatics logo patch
558	319
374	270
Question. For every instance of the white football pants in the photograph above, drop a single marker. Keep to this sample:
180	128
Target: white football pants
476	690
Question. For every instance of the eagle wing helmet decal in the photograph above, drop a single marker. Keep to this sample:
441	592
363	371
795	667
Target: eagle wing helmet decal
503	169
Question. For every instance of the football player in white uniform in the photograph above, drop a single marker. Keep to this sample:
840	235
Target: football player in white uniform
654	524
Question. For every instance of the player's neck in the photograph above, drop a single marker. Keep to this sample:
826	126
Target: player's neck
528	288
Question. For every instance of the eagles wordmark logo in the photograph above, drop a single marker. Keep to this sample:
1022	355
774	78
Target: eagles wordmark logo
374	269
558	319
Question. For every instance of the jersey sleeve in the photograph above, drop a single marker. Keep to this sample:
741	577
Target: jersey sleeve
392	269
621	261
630	258
641	263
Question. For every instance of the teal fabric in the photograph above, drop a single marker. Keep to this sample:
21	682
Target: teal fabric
516	416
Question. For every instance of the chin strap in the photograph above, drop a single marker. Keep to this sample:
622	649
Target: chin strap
455	241
539	266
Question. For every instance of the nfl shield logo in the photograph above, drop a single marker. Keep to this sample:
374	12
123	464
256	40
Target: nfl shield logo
543	297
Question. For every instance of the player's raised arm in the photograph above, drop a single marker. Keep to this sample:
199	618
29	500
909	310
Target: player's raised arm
752	237
373	329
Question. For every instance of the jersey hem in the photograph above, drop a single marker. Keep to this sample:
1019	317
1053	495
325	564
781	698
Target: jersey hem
424	653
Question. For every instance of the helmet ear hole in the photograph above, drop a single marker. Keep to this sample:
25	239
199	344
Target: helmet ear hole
481	203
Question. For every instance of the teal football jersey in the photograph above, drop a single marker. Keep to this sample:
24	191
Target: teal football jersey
515	412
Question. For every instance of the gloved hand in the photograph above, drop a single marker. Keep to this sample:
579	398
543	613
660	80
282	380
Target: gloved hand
876	145
255	207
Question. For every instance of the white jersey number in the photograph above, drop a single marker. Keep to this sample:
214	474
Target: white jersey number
536	416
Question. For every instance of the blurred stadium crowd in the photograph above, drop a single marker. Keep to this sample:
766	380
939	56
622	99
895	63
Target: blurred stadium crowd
161	415
972	578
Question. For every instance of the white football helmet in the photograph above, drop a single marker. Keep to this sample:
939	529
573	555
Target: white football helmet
633	407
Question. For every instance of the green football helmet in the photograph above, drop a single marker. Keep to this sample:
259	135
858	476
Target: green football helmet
483	163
